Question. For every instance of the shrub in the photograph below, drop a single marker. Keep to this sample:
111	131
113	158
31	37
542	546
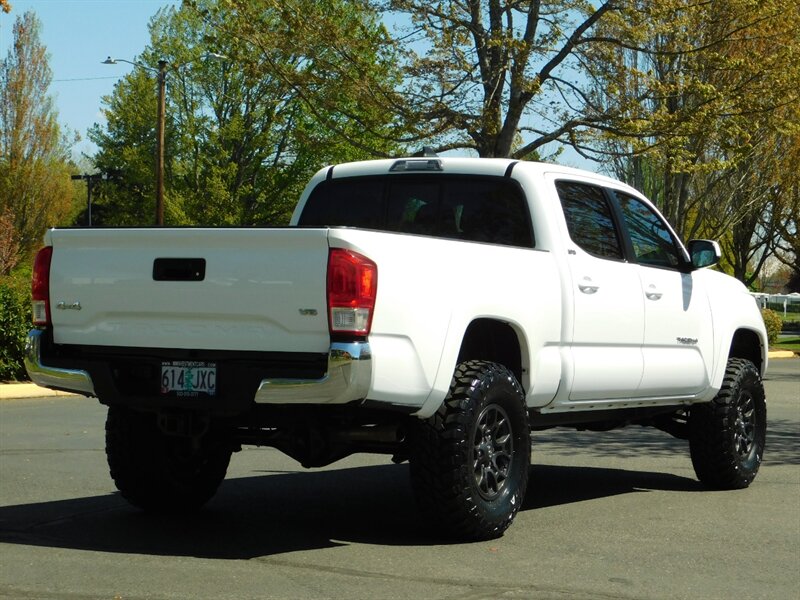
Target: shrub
15	321
773	323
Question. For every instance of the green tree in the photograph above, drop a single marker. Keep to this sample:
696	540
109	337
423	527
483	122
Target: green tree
337	59
788	208
762	191
15	319
126	153
35	187
242	137
704	107
508	78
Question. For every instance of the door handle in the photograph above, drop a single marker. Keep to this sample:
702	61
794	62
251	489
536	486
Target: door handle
652	293
587	286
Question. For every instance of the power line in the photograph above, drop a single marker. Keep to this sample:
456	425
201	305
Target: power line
84	79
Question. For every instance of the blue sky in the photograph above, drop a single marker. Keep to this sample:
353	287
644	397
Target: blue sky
79	35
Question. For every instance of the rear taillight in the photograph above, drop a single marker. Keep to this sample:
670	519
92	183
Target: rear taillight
352	287
40	287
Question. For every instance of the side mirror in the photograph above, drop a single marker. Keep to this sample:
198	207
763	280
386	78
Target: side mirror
704	253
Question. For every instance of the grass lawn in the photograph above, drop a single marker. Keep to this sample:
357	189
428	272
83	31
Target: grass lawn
790	317
787	343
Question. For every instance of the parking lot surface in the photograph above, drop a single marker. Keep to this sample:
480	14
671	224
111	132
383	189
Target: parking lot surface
608	515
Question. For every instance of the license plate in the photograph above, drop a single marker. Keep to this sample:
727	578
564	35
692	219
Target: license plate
188	378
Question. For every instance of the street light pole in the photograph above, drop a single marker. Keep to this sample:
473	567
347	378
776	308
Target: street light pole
162	81
90	179
162	85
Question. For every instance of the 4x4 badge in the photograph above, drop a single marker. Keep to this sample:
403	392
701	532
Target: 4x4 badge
65	306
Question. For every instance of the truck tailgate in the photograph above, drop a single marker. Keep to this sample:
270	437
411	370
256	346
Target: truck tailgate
207	289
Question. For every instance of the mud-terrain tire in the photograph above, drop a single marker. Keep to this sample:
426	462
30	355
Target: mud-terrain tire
470	460
727	435
162	473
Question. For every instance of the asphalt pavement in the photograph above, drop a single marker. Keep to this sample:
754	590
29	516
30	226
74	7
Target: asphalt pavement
616	514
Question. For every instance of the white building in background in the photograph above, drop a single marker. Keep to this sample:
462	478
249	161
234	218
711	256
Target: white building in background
784	302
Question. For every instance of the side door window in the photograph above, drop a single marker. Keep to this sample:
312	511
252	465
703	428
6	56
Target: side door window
589	219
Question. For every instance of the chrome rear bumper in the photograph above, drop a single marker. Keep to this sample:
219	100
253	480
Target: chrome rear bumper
348	378
52	377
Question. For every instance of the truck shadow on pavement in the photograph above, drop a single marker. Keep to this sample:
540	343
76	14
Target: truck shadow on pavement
783	443
554	485
285	512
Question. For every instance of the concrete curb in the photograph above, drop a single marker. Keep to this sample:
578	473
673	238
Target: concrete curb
18	391
782	354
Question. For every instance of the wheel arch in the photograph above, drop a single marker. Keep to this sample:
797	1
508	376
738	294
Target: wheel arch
496	341
487	338
747	344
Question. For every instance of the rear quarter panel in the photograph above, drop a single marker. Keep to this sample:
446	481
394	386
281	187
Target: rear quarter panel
430	290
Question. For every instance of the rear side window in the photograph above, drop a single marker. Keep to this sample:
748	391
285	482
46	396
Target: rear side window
478	209
589	219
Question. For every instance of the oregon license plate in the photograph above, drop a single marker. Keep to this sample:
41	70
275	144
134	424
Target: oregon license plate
188	378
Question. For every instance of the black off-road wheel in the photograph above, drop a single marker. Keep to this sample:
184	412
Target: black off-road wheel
727	435
163	473
470	461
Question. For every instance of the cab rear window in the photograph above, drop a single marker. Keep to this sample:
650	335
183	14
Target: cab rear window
478	209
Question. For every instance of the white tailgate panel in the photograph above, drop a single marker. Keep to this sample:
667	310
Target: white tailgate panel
264	289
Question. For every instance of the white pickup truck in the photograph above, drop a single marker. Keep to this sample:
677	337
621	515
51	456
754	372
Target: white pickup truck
434	309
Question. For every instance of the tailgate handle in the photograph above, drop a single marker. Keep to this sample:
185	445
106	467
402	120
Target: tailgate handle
179	269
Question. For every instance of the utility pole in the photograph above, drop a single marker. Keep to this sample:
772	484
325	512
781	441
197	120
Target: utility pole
162	81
